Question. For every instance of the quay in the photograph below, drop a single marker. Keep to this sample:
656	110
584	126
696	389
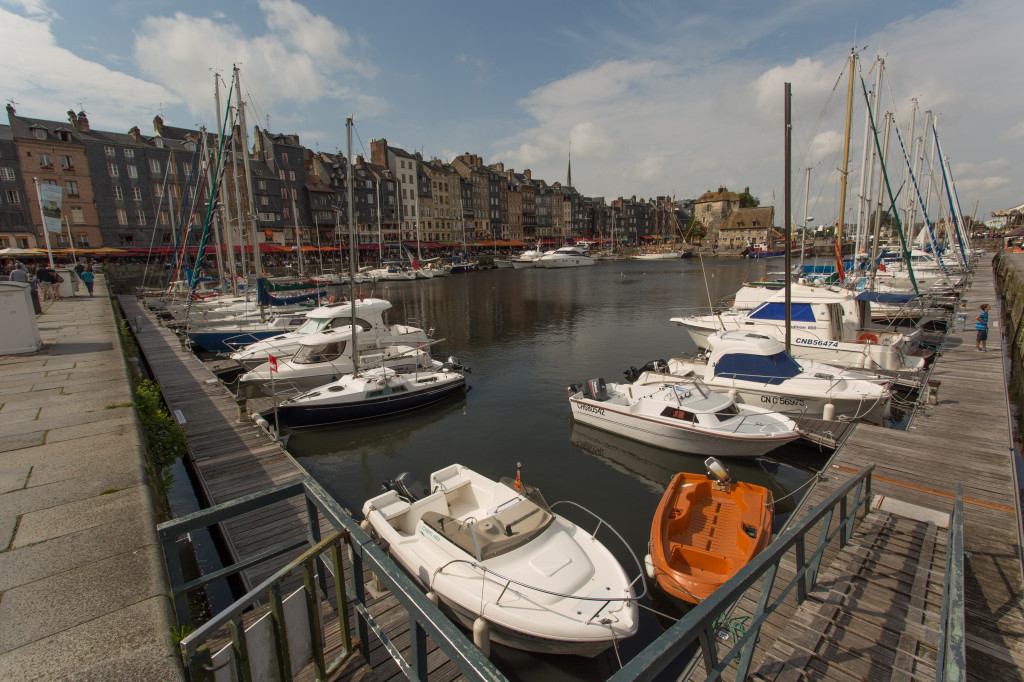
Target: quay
85	592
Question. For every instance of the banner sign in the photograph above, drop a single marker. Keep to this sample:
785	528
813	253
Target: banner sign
50	197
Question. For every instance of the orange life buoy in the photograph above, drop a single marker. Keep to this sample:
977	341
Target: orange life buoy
331	299
868	337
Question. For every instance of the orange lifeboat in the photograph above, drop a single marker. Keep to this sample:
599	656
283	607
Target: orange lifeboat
706	528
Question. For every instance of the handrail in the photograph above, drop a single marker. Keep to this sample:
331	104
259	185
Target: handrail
699	623
425	618
951	657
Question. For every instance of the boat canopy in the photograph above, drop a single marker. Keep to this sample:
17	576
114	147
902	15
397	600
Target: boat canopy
765	369
883	297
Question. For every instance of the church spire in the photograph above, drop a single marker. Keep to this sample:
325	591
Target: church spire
568	175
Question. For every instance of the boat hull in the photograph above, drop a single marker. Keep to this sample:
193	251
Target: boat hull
678	438
704	532
226	341
303	416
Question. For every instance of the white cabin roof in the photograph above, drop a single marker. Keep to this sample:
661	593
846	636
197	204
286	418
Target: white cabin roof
364	308
751	343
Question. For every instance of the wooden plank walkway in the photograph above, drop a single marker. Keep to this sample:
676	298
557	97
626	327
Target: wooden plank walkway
875	614
233	457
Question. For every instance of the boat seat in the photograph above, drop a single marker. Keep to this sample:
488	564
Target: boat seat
694	561
393	505
430	504
450	478
494	535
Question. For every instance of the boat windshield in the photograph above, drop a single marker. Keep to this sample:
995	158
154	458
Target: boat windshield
770	310
764	369
325	352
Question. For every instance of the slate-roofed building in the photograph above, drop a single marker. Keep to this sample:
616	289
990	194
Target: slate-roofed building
747	227
54	152
15	229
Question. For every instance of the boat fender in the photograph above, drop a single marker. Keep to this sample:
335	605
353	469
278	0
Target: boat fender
482	636
868	337
829	413
649	566
432	596
365	525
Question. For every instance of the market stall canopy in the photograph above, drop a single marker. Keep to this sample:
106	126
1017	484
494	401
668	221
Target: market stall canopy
15	251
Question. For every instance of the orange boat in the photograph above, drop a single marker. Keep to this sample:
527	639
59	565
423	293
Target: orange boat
706	528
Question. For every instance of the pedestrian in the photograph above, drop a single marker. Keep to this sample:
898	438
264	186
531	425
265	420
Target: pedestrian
981	325
87	278
45	279
19	273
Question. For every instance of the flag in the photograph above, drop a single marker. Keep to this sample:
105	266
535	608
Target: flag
50	197
273	363
519	483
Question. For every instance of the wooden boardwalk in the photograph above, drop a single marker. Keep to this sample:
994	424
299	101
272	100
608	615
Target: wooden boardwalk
876	611
233	457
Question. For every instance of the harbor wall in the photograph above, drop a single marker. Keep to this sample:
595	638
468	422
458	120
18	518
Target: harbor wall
1009	272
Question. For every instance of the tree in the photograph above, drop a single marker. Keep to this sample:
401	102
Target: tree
747	200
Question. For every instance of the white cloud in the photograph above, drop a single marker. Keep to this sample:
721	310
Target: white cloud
40	75
33	8
299	59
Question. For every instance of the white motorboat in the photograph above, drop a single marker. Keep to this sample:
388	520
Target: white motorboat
564	257
372	394
756	370
324	357
657	255
527	259
681	414
827	324
373	331
492	552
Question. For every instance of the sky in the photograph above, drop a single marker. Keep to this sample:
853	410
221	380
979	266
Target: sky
647	98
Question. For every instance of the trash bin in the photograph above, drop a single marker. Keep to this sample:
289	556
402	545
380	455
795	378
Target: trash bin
19	332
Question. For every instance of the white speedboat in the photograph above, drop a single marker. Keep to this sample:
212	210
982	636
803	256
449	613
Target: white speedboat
827	324
372	394
657	255
564	257
756	370
373	331
527	259
491	552
681	414
324	357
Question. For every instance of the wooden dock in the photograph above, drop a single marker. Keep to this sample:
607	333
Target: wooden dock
876	611
233	457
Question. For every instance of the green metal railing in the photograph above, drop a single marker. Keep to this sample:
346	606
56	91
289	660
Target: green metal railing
951	660
425	619
702	622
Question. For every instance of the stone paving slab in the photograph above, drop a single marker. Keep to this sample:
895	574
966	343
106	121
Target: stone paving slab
83	590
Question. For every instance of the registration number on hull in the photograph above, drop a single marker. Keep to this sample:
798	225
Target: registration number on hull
783	400
817	342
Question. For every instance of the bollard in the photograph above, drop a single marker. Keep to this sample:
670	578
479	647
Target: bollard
933	391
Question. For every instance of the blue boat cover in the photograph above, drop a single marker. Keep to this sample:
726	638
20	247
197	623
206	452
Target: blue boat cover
265	298
801	312
765	369
882	297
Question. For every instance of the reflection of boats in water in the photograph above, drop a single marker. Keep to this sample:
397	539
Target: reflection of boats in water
655	467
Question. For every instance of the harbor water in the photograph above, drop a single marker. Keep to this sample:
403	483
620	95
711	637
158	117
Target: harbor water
527	335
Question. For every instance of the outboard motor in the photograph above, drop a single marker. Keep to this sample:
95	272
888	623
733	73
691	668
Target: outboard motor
596	389
659	366
452	365
407	485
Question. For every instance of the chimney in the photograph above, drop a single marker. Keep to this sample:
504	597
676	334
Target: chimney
510	172
721	189
136	134
379	151
83	122
158	126
360	161
10	109
73	117
529	176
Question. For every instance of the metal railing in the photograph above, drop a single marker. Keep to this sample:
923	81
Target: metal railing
701	623
425	619
951	659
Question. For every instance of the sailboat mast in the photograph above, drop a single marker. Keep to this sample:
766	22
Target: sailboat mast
878	216
846	162
298	241
257	265
788	140
225	205
803	232
351	240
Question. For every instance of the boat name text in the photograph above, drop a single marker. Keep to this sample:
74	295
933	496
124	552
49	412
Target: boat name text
818	342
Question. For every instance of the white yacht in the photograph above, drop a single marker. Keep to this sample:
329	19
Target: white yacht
568	256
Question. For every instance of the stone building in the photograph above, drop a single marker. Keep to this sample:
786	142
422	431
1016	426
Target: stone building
15	223
746	227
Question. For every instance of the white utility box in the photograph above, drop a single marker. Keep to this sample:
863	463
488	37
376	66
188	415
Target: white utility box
19	332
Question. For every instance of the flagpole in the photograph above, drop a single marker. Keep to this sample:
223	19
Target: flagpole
71	241
42	218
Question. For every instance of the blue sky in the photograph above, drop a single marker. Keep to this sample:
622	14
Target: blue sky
653	97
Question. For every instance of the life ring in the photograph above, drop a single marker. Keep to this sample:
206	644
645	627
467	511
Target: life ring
330	299
868	337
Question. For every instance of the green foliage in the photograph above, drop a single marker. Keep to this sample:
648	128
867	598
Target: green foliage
180	632
109	491
165	439
128	345
747	200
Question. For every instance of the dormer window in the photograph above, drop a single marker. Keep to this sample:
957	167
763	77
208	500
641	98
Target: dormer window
40	134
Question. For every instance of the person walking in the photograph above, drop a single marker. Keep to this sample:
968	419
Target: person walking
981	325
87	278
46	279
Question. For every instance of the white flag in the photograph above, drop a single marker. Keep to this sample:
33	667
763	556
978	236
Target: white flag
50	197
